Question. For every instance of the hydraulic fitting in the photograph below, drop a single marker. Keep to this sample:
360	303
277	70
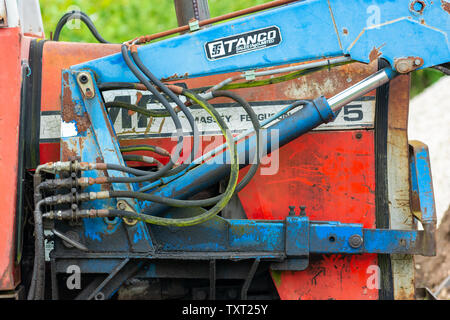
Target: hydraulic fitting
75	214
67	166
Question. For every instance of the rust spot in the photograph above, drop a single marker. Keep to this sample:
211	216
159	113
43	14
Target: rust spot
420	7
446	6
345	31
332	82
138	97
374	54
68	111
66	152
175	77
105	187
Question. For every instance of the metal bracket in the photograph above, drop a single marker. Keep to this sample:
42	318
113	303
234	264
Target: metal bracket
124	205
193	25
423	204
250	75
86	84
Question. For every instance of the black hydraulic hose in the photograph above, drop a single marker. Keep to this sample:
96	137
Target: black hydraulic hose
164	200
106	86
83	17
37	289
443	68
182	222
210	201
117	167
166	104
141	158
178	102
254	119
143	111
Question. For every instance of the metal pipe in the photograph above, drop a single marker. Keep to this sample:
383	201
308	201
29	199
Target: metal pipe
191	9
227	16
74	243
361	88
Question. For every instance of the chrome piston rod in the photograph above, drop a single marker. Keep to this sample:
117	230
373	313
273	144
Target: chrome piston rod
361	88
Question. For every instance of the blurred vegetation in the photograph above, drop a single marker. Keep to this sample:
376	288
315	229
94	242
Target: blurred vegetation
121	20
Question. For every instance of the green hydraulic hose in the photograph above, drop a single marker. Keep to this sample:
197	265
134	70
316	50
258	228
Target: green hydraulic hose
142	147
226	196
286	77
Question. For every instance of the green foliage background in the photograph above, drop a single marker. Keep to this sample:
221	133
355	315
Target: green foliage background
121	20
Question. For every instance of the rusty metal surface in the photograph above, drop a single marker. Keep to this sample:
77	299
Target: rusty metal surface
61	55
445	5
398	182
69	108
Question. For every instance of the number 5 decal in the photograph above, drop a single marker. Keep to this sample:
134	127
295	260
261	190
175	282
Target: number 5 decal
353	113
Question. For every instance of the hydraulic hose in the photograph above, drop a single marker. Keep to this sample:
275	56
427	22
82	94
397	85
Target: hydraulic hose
175	98
144	147
256	125
106	86
136	172
183	222
165	103
83	17
141	158
37	289
143	111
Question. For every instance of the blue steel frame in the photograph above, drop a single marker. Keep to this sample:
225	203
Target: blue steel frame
399	33
311	29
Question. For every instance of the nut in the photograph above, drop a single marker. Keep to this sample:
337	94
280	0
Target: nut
355	241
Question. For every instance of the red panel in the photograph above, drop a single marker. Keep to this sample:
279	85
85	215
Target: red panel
10	78
333	175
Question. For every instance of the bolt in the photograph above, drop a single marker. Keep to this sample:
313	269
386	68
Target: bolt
100	296
358	135
403	67
89	93
122	206
83	79
302	211
291	211
355	241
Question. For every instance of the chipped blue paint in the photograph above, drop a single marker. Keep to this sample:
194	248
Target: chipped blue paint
422	182
309	29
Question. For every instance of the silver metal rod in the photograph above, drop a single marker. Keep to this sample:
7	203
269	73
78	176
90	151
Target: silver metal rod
361	88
